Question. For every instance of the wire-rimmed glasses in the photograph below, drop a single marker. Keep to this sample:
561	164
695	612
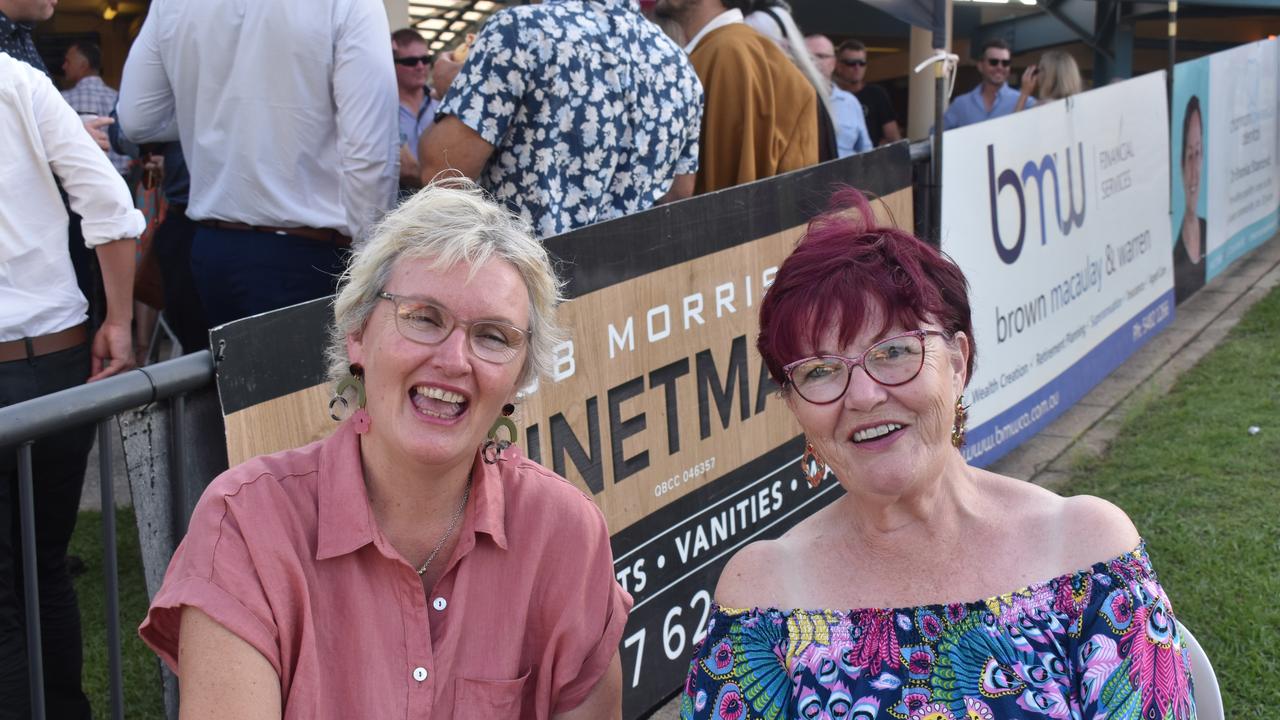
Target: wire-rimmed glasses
823	379
425	322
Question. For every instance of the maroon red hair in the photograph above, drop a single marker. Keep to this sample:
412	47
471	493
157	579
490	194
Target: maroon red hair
846	267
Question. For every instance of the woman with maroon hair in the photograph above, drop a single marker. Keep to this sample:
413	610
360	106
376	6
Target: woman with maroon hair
930	588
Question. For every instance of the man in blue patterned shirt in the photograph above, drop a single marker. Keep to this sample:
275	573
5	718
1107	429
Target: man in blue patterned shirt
572	112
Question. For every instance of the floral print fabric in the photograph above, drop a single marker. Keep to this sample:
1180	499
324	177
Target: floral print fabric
591	110
1100	643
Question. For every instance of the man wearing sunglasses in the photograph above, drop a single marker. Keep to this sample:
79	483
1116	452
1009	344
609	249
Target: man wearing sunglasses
992	97
850	74
417	107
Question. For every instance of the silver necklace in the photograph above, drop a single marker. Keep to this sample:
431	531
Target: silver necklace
453	522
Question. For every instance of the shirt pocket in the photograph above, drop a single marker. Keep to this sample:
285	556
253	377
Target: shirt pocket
485	699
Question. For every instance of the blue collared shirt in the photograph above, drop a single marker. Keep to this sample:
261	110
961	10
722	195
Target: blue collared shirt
413	127
969	107
851	123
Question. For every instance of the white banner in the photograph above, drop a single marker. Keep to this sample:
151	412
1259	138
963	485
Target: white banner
1059	217
1241	128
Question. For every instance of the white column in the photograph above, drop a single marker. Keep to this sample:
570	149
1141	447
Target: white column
397	13
920	88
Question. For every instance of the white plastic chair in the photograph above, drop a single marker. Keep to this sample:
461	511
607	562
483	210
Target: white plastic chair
1208	696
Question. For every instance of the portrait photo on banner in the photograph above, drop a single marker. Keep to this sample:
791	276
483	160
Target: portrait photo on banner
1189	196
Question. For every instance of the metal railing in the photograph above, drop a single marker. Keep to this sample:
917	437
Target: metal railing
24	423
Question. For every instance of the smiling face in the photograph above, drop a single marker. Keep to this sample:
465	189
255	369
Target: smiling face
852	66
886	440
411	77
433	404
994	66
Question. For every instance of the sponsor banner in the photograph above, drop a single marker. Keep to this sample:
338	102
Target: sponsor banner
1059	218
658	404
1244	204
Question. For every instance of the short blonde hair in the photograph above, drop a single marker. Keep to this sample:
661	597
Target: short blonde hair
1059	75
449	221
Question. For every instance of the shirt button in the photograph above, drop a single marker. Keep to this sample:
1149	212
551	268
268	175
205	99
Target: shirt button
439	603
420	674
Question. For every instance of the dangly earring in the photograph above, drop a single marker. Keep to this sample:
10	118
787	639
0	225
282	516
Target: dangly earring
812	468
354	380
958	425
491	450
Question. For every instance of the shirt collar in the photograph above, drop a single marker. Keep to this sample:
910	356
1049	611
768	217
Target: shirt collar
13	27
89	81
977	91
728	17
488	511
345	517
428	102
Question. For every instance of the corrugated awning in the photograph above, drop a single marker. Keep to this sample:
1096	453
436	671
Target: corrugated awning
443	23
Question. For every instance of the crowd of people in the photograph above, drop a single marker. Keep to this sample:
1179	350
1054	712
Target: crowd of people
1054	77
292	150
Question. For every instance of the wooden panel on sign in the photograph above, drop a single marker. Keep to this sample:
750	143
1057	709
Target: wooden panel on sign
288	421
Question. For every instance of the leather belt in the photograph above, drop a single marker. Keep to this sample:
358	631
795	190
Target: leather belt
324	235
28	348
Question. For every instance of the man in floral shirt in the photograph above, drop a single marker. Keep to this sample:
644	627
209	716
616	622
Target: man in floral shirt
572	112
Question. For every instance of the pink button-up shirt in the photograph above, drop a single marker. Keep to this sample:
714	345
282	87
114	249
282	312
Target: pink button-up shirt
284	551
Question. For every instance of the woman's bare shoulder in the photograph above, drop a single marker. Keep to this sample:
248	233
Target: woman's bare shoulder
769	573
1077	530
1096	529
750	578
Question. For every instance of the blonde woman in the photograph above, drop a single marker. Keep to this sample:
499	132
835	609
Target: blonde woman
1056	76
406	566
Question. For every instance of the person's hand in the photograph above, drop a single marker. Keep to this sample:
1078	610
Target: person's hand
1029	78
95	128
443	72
112	351
154	163
409	170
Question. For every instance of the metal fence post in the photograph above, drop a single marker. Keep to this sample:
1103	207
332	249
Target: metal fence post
31	580
110	568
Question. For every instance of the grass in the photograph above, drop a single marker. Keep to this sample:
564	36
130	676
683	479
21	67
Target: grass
1200	488
143	696
1202	491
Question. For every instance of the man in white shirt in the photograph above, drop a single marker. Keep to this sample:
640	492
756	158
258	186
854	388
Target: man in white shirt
285	110
44	347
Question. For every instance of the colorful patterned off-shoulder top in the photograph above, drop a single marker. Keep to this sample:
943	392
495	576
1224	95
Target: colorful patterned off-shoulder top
1099	643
